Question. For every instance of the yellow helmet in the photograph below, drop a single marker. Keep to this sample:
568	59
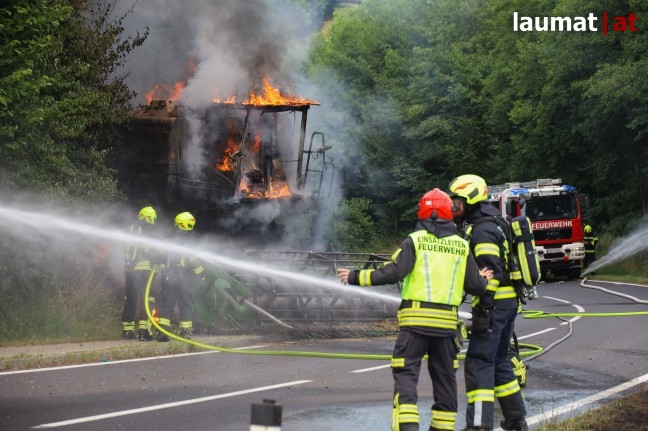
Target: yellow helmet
588	229
147	214
470	187
185	221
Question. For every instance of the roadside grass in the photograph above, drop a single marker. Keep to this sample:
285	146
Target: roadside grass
138	350
629	413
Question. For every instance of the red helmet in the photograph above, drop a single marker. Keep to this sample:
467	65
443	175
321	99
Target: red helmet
435	204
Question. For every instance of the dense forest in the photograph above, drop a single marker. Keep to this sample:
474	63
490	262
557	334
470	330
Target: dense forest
441	88
430	89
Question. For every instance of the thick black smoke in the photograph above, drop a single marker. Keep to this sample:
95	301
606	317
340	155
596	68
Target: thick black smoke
220	48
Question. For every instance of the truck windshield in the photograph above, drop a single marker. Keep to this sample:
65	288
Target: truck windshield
550	207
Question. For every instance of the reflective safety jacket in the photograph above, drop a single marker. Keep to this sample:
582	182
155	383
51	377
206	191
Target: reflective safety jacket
138	256
436	266
490	247
183	262
590	240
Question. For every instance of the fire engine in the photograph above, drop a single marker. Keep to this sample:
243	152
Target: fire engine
556	213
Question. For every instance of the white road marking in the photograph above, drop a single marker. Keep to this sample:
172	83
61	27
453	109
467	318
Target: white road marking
576	306
166	406
587	400
557	299
364	370
536	333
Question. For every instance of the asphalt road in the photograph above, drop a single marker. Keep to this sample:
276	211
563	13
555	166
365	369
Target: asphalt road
582	358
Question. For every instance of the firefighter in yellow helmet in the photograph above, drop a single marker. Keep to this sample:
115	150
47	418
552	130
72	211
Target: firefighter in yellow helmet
591	241
436	266
182	274
137	270
487	368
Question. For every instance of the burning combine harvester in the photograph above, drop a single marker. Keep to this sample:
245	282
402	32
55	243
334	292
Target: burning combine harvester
241	167
244	169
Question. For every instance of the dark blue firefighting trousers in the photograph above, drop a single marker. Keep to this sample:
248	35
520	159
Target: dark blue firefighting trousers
409	350
489	374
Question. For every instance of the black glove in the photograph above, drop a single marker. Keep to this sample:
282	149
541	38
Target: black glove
487	301
481	320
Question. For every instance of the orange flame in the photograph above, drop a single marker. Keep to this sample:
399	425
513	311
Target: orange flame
273	97
165	91
276	191
270	96
226	162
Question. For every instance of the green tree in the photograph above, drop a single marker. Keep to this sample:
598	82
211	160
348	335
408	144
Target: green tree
61	97
61	101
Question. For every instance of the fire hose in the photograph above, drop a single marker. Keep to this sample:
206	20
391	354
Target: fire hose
529	349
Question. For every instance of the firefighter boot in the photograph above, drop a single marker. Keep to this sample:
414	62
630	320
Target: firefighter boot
186	333
516	425
143	335
161	338
129	335
477	429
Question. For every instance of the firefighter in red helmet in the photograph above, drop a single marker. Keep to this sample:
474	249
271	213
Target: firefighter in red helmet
182	273
436	267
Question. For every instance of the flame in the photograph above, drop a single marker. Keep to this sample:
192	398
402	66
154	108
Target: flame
277	190
270	96
226	163
165	91
230	100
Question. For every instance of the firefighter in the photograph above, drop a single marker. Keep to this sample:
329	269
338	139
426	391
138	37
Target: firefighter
436	266
182	274
487	368
136	273
591	241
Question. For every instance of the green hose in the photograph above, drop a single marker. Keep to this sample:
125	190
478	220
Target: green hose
531	349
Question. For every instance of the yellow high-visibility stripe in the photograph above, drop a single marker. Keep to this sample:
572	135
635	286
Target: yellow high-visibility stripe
484	395
364	277
507	389
487	249
408	413
397	362
443	420
504	292
429	317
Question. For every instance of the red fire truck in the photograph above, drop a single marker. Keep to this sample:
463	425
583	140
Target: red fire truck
556	212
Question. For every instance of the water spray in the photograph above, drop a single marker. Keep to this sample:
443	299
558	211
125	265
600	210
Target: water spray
48	224
623	249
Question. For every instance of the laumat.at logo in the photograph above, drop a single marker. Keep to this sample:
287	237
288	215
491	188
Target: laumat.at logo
607	23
